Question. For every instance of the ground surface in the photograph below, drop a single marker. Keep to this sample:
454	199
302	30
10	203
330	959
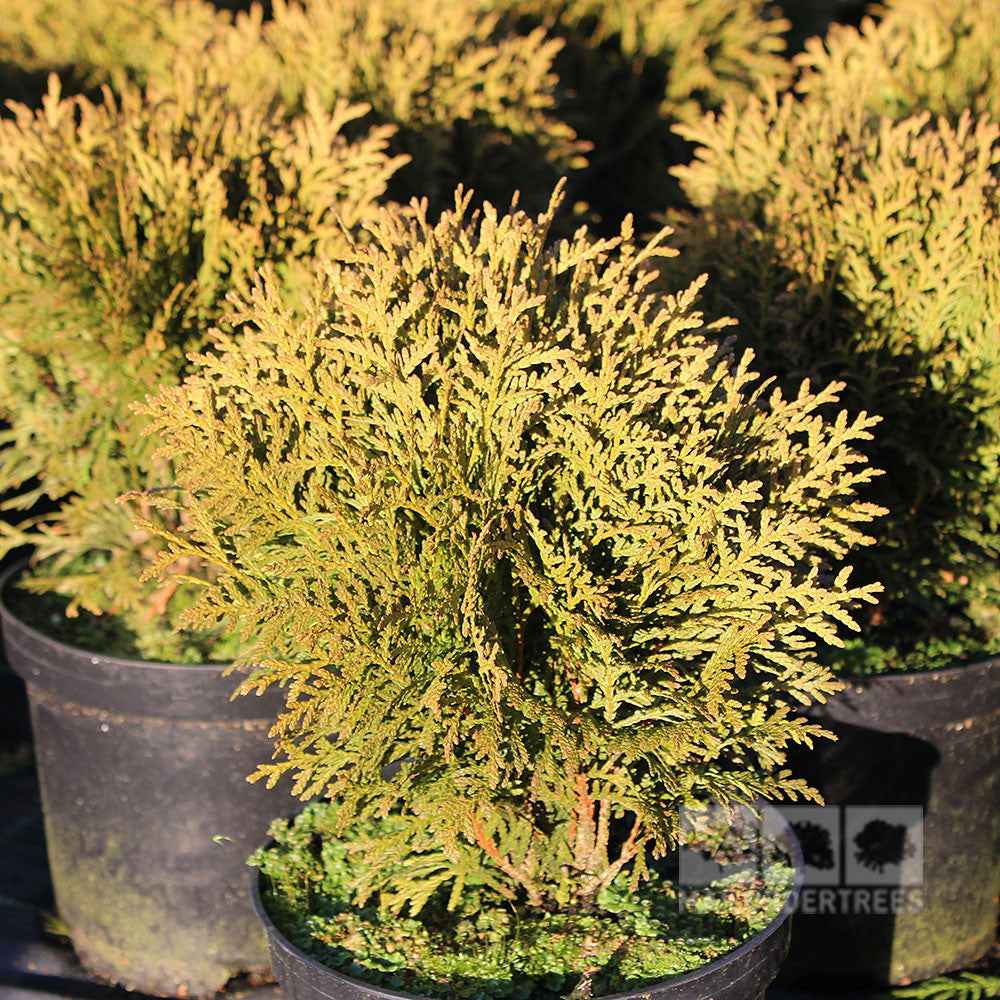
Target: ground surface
37	964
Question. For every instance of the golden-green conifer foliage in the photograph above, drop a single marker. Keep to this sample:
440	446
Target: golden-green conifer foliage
92	42
868	250
471	101
498	512
913	56
712	50
632	68
123	225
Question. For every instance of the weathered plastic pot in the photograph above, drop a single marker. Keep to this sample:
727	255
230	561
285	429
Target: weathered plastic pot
743	974
148	814
930	740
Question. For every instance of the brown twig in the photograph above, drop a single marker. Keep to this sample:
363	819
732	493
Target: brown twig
629	850
518	875
584	842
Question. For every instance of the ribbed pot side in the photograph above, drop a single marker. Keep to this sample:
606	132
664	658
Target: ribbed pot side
922	739
149	817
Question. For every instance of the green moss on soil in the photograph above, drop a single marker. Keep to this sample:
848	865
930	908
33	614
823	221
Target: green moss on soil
864	659
489	950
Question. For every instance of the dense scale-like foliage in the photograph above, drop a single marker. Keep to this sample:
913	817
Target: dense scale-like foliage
958	986
93	42
914	56
629	70
123	225
855	248
498	514
471	100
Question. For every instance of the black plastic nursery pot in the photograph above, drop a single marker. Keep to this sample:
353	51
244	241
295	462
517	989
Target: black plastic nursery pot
917	760
743	974
148	814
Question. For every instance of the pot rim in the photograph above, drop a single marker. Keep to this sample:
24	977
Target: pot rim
20	566
692	977
909	676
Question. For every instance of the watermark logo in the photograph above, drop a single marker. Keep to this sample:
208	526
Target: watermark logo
860	859
857	859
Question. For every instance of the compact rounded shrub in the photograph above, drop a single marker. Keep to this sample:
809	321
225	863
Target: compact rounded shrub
498	514
123	226
857	248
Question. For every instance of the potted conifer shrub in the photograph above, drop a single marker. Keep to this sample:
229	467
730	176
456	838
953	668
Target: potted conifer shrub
868	250
537	563
123	224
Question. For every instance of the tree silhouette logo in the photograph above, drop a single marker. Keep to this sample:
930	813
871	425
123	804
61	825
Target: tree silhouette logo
880	843
816	843
883	846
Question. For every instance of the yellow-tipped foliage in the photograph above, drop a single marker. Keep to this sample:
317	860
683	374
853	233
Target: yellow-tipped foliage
858	248
123	225
497	511
471	100
911	56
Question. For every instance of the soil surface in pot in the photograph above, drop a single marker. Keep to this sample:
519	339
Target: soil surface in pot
132	637
492	950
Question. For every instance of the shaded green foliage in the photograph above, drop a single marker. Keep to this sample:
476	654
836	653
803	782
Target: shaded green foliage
854	248
498	514
961	986
123	226
630	70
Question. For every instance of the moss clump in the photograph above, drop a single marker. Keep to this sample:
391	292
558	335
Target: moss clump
484	949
